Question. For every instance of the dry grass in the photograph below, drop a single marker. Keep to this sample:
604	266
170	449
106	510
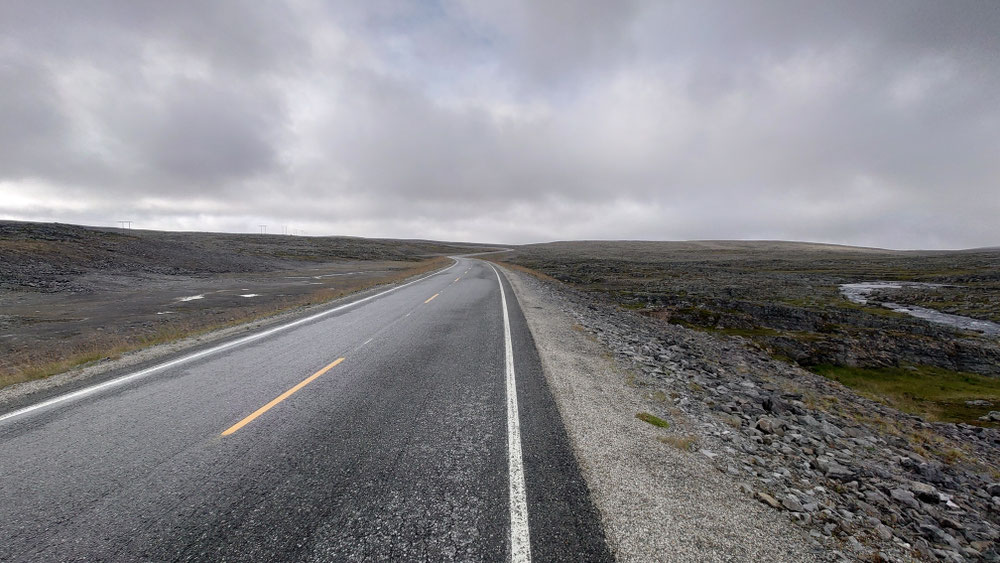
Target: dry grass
41	363
521	269
683	442
931	392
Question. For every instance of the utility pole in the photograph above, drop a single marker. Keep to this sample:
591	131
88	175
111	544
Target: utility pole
263	229
125	225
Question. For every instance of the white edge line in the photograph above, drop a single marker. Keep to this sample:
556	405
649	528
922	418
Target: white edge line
520	539
126	378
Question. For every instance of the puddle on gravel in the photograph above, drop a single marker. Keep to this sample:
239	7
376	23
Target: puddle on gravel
859	292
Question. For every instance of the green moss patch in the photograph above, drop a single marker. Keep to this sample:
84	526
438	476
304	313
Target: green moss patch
932	392
652	419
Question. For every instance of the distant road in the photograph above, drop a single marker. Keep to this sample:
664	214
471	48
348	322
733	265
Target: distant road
387	430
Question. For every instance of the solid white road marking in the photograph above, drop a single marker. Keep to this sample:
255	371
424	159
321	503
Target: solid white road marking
520	542
159	367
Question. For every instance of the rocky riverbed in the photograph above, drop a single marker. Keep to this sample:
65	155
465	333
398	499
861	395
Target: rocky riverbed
882	292
864	481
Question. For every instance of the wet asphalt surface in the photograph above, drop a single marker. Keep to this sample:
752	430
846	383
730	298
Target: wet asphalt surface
399	453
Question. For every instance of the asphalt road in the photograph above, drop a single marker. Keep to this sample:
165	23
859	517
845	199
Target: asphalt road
402	450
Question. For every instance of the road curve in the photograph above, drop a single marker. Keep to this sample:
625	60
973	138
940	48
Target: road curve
375	432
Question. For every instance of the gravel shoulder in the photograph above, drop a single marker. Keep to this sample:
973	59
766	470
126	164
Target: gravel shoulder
658	502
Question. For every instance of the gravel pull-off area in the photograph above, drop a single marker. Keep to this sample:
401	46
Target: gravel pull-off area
741	457
658	502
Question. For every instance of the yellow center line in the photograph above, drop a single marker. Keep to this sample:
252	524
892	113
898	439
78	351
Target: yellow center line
432	298
279	398
458	278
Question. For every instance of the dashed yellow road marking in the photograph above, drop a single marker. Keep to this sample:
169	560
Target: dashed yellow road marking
431	298
280	398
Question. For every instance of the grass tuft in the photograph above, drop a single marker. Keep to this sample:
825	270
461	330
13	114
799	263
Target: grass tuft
684	442
652	419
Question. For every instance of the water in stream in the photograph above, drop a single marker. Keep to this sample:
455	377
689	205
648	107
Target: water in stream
859	292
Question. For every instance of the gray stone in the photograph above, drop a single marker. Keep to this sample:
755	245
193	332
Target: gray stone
801	518
936	535
949	523
792	504
837	471
831	430
774	404
971	553
979	403
925	492
904	497
808	420
769	425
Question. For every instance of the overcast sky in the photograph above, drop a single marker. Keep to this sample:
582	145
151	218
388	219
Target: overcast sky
871	122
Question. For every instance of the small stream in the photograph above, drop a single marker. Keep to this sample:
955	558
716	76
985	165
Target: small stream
859	292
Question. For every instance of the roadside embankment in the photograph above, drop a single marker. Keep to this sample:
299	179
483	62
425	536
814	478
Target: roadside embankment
659	502
760	460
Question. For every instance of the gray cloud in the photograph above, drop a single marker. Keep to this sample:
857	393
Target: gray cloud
854	122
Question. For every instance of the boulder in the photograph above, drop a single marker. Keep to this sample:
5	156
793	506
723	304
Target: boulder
904	497
925	492
769	425
774	404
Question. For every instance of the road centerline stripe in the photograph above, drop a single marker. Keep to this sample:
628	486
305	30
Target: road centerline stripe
73	395
520	539
280	398
431	298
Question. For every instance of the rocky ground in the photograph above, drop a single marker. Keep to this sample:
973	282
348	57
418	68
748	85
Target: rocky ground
55	257
787	298
862	480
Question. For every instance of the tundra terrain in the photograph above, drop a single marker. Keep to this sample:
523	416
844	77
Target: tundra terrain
871	432
72	295
787	298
